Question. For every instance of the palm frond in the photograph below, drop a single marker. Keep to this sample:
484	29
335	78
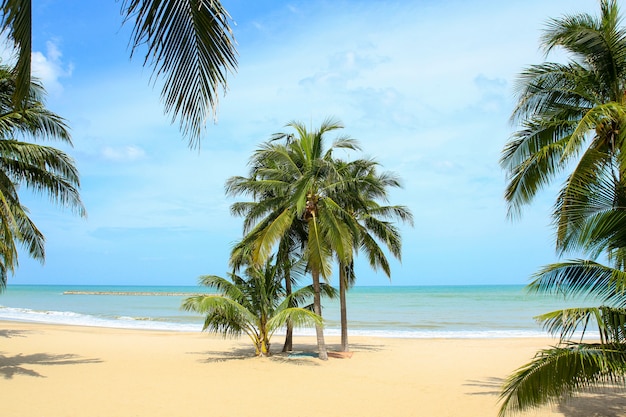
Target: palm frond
560	372
190	44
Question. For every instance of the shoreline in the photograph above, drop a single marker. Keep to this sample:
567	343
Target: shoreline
61	370
149	324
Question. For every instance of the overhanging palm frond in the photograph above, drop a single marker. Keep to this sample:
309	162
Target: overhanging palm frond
610	323
560	372
190	44
16	24
582	278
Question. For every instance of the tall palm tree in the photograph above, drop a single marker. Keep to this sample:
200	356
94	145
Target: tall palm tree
42	169
576	113
571	114
360	192
297	189
188	43
256	306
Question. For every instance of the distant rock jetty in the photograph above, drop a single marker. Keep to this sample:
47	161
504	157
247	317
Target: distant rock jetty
133	293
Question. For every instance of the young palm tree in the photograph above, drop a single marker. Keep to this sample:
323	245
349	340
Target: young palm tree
255	306
571	114
189	43
295	192
288	261
42	169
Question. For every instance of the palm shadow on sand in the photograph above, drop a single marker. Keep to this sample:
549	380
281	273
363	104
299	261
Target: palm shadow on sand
13	333
215	356
22	364
302	353
603	402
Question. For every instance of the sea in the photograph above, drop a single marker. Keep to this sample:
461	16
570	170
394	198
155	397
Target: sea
472	311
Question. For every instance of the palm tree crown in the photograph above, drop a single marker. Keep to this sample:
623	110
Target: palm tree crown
570	113
43	169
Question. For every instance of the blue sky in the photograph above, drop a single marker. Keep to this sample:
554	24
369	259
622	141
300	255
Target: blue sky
425	86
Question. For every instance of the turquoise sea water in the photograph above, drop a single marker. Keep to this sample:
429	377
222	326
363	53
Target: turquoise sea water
420	311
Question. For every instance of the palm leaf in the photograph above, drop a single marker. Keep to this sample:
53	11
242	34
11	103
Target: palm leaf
190	44
559	372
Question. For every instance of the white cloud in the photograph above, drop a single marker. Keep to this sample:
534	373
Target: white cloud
50	68
124	154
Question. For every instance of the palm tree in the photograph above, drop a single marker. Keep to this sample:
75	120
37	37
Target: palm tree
187	43
296	192
572	114
288	261
576	113
255	306
359	194
42	169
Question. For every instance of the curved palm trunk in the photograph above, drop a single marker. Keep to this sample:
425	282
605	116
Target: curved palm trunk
317	309
344	314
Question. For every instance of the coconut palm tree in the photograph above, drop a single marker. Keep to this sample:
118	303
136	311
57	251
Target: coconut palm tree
571	114
291	246
255	305
360	193
288	261
295	192
42	169
575	114
189	44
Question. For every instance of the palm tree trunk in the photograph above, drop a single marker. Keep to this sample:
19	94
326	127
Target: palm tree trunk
317	309
288	346
344	315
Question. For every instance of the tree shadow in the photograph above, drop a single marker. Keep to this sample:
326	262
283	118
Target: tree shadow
302	354
492	386
17	365
215	356
602	402
13	333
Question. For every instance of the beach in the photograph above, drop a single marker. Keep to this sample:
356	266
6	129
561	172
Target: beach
59	370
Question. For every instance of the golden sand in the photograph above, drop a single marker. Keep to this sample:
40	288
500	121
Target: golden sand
66	371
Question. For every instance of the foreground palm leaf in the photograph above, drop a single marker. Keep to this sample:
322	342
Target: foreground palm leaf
256	306
571	367
188	43
560	372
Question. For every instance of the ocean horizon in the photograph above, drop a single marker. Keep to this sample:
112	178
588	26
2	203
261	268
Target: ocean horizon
455	311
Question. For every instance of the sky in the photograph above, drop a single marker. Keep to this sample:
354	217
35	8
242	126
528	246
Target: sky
426	87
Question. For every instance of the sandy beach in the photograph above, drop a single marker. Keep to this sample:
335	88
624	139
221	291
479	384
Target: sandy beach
60	371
